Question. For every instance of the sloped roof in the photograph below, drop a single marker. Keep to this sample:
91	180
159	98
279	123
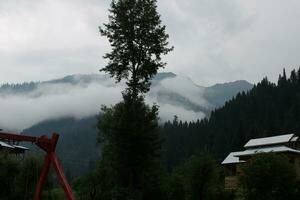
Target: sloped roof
275	149
3	144
294	139
232	159
269	140
21	147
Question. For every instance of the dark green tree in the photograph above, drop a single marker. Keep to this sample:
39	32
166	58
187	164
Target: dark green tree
196	179
269	176
9	169
138	39
131	144
129	130
203	177
28	176
18	178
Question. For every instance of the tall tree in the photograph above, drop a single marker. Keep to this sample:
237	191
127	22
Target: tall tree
128	130
138	39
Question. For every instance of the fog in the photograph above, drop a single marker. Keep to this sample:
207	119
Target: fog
59	100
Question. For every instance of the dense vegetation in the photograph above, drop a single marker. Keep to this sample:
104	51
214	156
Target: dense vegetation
19	176
77	148
269	176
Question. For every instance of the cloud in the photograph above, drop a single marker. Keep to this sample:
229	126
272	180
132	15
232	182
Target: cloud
167	112
221	40
55	101
181	86
215	40
43	39
79	99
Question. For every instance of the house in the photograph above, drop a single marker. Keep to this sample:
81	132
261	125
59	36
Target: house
288	144
12	148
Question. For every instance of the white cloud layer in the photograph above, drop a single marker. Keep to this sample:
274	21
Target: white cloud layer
61	100
55	100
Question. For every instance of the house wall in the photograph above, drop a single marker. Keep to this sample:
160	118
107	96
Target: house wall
297	166
232	172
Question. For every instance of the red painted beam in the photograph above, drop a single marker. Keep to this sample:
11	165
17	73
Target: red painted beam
43	178
62	178
16	137
49	146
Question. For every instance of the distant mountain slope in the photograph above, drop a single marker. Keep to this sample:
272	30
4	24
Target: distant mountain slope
220	93
81	96
76	148
268	109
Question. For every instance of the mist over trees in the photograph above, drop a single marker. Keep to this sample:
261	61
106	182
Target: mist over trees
268	109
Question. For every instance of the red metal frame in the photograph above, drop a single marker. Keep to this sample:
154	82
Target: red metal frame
48	145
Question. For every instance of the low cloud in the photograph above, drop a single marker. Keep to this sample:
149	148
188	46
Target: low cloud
63	100
58	100
167	112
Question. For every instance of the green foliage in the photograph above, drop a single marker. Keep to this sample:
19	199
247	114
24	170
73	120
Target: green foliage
130	147
198	178
28	176
269	176
202	177
18	178
138	40
8	170
87	187
76	147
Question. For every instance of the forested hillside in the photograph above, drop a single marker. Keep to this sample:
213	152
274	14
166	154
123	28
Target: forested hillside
266	110
77	148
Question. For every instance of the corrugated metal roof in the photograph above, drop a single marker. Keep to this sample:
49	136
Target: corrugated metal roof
269	140
232	159
3	144
21	147
294	139
275	149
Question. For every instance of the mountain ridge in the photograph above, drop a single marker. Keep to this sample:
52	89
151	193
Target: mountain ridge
79	135
81	96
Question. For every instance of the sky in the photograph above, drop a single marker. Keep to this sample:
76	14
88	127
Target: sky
215	40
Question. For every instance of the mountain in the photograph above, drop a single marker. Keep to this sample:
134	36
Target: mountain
81	96
268	109
76	148
220	93
176	95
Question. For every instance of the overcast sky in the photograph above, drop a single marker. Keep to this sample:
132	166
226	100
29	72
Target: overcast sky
215	40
